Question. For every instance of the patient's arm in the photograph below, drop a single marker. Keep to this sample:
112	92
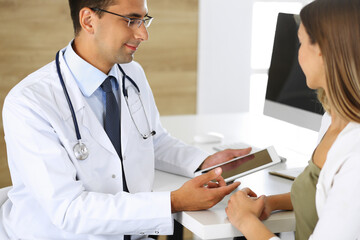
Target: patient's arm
276	202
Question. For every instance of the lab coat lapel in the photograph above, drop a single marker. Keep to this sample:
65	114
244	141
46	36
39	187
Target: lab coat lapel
85	116
97	130
125	116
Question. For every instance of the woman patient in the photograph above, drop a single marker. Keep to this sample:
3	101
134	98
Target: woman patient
326	196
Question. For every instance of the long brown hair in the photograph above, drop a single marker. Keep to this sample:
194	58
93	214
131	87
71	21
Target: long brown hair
335	26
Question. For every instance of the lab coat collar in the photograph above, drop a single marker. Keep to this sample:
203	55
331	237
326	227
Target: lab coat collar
87	77
75	94
85	116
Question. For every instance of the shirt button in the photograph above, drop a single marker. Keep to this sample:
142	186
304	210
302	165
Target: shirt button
156	232
142	233
124	158
113	176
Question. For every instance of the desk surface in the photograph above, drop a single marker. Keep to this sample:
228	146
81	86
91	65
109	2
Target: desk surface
290	141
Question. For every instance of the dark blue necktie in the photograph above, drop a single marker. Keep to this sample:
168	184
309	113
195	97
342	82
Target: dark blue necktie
113	125
112	115
112	121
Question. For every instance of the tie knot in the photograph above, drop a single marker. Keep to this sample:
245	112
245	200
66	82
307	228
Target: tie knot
106	85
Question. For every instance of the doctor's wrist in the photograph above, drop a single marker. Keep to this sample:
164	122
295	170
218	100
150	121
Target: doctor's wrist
175	203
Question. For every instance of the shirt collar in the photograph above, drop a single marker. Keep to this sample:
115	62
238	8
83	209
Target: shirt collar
87	77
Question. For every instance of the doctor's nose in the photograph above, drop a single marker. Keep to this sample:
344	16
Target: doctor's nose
141	33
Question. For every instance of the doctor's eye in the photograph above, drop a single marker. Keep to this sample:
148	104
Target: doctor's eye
136	22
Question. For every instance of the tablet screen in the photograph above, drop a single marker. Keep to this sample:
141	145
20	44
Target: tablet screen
245	164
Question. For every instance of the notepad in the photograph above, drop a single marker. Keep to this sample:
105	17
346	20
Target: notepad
290	173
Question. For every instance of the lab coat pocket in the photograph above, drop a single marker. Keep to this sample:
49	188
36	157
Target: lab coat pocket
138	112
99	171
133	101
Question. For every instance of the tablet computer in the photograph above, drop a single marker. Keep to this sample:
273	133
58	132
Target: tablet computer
241	166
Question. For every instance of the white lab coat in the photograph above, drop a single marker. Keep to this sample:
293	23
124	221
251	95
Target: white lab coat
56	196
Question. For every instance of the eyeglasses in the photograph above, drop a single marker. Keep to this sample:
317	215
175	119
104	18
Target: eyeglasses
132	22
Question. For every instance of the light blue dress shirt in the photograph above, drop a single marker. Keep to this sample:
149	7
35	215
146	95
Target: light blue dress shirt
89	79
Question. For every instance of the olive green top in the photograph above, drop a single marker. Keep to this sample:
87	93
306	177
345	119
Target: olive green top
303	200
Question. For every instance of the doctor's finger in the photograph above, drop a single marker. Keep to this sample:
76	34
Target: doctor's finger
207	177
225	190
213	185
221	181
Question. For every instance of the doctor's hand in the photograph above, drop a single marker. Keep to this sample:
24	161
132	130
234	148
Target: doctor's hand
223	156
201	192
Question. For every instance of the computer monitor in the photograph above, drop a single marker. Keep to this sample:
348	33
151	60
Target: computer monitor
287	96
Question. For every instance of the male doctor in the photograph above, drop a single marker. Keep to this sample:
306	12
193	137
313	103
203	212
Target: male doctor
103	191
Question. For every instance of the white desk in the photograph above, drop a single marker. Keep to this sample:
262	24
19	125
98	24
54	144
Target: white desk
294	143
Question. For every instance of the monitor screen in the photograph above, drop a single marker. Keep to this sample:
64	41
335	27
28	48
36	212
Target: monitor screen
287	96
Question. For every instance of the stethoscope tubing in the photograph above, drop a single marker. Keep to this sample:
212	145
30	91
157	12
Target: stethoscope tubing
78	135
126	96
123	82
80	149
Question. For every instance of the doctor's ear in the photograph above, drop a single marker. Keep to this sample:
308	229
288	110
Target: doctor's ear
87	19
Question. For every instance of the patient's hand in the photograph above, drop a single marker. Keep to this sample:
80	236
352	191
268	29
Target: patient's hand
242	205
267	209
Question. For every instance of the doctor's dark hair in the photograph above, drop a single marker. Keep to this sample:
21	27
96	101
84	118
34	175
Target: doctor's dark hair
334	26
77	5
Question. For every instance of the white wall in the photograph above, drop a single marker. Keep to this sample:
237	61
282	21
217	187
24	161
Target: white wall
224	56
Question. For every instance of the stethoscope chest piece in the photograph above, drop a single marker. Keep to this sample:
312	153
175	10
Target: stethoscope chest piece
81	151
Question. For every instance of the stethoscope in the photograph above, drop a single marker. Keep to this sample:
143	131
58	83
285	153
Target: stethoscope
81	152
